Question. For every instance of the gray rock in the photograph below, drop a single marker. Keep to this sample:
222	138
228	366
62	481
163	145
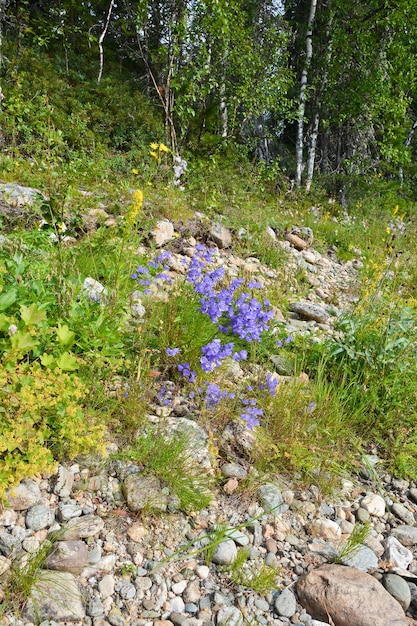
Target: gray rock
270	499
286	604
144	492
363	558
397	553
93	290
403	514
229	616
398	588
82	527
95	608
24	496
9	545
19	196
406	535
126	589
116	618
68	556
233	470
225	553
363	516
309	311
39	516
64	483
374	504
106	586
163	232
55	595
221	235
68	511
412	494
176	605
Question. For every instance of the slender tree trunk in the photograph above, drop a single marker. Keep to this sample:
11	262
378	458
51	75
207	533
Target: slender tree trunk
312	151
302	95
101	39
223	113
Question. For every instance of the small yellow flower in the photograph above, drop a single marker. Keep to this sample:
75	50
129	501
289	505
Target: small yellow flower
396	209
388	229
163	148
154	155
17	164
150	184
154	146
135	171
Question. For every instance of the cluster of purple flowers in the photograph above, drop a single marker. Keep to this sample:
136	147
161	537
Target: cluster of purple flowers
214	395
243	316
143	275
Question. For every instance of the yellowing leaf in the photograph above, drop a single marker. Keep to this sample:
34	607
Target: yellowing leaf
32	315
65	335
67	362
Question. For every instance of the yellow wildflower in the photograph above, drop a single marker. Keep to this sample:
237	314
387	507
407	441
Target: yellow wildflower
154	155
136	207
154	146
163	148
388	229
135	171
396	209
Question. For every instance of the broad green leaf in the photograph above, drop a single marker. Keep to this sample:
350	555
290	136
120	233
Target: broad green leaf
32	315
7	299
47	360
65	335
22	340
67	362
4	323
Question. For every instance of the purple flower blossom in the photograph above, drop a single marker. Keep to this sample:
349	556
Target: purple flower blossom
242	355
250	416
272	383
214	353
187	372
214	395
172	351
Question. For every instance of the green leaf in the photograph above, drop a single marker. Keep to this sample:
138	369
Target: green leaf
65	335
4	323
47	360
32	315
23	341
67	362
7	299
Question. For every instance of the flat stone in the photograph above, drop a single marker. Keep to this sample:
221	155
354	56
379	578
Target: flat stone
68	556
229	616
106	586
404	514
56	596
82	527
363	558
93	290
309	311
406	535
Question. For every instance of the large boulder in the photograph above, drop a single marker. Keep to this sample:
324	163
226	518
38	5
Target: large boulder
349	597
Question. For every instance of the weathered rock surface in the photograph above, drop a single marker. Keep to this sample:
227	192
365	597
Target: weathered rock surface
349	597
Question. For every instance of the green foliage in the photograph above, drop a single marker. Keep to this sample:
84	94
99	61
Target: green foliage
356	539
22	577
259	577
170	457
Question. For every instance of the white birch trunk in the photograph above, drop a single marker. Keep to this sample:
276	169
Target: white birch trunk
302	96
312	151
